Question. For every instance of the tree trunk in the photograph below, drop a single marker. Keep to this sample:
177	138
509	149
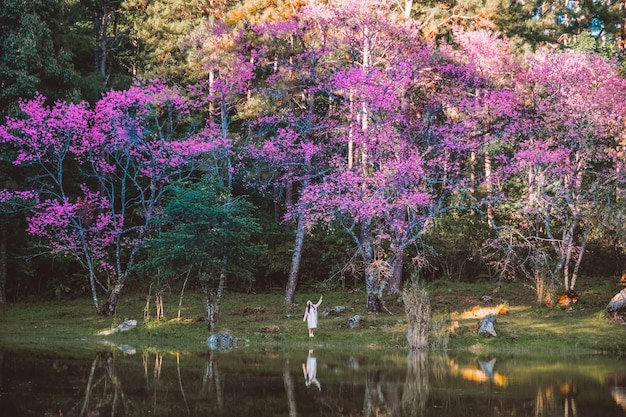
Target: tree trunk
110	305
373	286
395	283
579	258
295	261
213	301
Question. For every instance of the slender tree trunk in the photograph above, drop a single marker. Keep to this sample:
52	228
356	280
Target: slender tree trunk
103	17
110	306
300	228
213	297
579	259
568	243
92	274
489	188
295	261
288	200
373	286
182	292
220	290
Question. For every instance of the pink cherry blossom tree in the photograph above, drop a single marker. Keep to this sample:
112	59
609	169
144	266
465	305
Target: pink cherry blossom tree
290	143
574	111
397	159
569	112
99	174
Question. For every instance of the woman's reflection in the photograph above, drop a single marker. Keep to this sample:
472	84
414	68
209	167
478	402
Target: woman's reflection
310	371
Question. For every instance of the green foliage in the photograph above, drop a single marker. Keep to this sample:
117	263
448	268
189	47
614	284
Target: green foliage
586	42
454	240
32	56
513	19
202	225
158	30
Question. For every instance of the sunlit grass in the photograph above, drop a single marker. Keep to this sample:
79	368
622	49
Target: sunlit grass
263	320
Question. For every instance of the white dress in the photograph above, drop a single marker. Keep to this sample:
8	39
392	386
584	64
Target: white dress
310	371
310	314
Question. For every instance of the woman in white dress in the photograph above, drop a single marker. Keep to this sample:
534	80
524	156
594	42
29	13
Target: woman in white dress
310	315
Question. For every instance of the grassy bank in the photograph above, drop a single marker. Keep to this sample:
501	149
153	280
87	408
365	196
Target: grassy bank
264	322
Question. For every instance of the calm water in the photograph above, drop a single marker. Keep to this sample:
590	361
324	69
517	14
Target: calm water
120	381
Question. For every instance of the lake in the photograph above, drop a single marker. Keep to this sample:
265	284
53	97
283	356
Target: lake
110	380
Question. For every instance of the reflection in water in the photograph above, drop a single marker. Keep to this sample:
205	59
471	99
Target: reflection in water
416	387
104	389
617	385
310	371
551	398
289	389
382	398
484	373
362	384
212	385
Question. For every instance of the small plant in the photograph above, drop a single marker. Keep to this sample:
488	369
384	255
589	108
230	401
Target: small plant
440	334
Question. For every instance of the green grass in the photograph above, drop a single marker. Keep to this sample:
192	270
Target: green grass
527	327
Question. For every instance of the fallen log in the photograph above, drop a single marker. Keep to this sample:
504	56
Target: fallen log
127	325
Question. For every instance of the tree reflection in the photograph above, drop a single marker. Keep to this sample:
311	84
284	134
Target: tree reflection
106	399
289	389
381	399
212	385
550	397
156	374
417	386
215	383
617	386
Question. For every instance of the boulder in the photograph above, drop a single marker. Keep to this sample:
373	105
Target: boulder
354	321
616	309
487	325
220	342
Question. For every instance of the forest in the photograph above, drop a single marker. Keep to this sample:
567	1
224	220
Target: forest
253	145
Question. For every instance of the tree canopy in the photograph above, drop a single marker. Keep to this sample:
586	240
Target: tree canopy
391	127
